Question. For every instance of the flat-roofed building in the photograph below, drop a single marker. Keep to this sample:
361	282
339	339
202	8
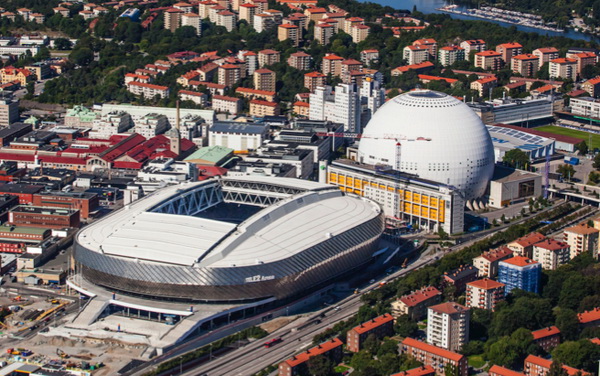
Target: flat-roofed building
487	262
448	325
262	108
547	338
223	103
147	90
523	246
434	356
381	326
33	216
484	293
229	74
238	136
298	364
291	32
551	253
416	303
582	238
264	79
86	203
416	54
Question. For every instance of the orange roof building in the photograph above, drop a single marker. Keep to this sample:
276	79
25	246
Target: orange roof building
590	318
434	356
416	303
547	338
537	366
381	327
420	371
501	371
484	293
298	363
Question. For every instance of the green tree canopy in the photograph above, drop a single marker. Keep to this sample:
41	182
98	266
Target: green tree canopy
516	158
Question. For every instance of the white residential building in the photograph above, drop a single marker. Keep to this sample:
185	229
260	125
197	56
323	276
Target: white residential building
484	293
151	125
448	325
342	107
416	54
551	253
193	20
237	136
147	90
372	96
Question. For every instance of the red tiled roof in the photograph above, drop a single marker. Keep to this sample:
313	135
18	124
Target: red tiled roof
225	98
263	103
121	147
488	53
351	62
581	229
520	261
314	74
486	80
486	284
525	57
419	371
547	50
546	332
432	349
475	41
263	70
254	91
406	68
546	363
288	26
510	45
563	60
149	86
317	350
595	341
552	245
372	324
425	41
268	52
501	371
419	296
189	92
530	239
333	57
593	81
301	104
449	308
451	48
545	88
437	78
589	316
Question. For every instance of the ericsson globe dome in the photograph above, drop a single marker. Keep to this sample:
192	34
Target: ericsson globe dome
440	139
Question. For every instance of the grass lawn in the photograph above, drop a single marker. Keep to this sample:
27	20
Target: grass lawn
341	369
572	133
476	361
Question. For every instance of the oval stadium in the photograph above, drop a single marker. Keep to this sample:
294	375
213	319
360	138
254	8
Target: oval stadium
232	239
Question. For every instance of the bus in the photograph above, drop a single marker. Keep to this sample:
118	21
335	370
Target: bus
273	342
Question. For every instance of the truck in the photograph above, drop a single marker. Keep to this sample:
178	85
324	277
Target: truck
572	160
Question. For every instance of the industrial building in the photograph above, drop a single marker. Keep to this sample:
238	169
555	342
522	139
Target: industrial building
515	111
510	186
288	237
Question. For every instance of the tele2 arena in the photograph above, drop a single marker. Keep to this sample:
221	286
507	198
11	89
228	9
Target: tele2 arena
232	239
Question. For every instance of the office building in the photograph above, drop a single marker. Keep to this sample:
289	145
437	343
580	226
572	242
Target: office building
341	106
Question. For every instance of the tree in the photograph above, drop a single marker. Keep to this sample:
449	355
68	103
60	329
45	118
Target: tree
371	344
556	369
405	327
82	56
62	44
320	365
568	323
451	370
516	158
597	161
581	354
566	170
582	147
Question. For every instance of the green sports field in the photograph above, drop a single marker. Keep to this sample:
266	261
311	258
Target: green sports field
572	133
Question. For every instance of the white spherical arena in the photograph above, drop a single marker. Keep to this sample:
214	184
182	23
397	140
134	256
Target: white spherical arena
441	139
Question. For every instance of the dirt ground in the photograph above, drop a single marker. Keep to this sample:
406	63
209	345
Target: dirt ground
278	323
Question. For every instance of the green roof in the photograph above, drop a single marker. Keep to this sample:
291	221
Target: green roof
213	154
24	230
32	120
83	113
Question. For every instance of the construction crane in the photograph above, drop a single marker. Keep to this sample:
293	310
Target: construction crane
394	137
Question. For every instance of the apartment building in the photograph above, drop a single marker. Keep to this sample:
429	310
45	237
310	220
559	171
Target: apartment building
564	68
448	325
416	54
231	105
247	12
484	85
484	293
382	326
291	32
172	19
491	60
547	338
419	371
264	79
509	50
583	59
332	64
298	364
367	56
536	366
300	60
496	370
434	356
449	55
359	33
520	273
526	65
592	87
589	318
416	303
193	20
523	246
229	74
9	111
582	238
551	253
487	262
268	57
313	80
262	108
147	90
459	277
476	45
226	19
430	44
255	94
323	33
545	54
